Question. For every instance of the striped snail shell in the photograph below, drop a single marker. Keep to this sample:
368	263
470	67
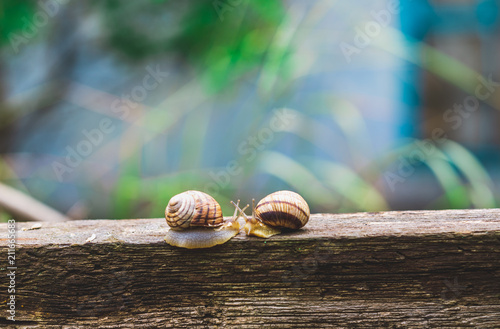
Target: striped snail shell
277	211
193	208
283	209
196	221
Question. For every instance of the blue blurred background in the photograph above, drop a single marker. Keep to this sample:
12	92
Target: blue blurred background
108	108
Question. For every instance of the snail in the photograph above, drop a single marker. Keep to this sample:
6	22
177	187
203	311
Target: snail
277	211
196	221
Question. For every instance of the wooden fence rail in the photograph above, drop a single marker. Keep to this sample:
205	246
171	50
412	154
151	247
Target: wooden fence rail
422	269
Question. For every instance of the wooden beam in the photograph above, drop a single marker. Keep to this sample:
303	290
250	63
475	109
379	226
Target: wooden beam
422	269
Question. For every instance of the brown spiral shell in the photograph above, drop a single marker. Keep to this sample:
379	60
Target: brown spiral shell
283	209
193	208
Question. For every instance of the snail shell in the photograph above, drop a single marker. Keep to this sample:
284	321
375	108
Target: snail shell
193	208
196	221
283	209
278	210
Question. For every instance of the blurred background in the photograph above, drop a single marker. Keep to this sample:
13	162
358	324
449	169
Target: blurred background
109	108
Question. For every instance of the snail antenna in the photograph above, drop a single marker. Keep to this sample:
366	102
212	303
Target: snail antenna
242	211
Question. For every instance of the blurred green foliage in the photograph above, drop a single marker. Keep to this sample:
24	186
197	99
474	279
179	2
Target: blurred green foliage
223	38
222	41
13	15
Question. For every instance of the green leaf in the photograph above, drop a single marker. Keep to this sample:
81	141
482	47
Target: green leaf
350	185
481	194
297	176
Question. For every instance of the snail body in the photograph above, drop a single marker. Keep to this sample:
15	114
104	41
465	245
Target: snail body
277	211
196	221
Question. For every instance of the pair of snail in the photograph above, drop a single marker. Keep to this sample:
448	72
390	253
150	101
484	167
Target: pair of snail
196	221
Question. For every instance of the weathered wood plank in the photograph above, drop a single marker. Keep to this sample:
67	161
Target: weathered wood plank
417	269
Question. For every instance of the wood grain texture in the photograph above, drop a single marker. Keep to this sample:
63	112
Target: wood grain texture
413	269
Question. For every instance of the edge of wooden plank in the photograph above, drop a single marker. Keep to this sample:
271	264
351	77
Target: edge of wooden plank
320	226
